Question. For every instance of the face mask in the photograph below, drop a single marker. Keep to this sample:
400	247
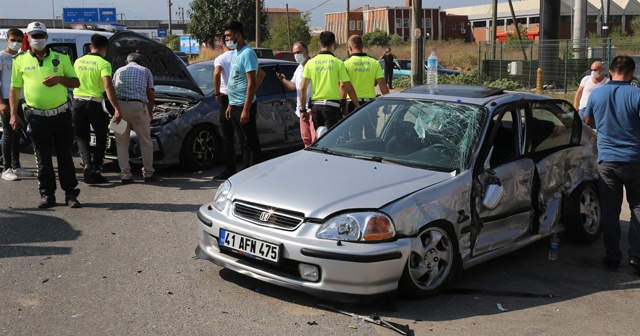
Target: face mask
233	44
38	44
300	58
15	46
595	74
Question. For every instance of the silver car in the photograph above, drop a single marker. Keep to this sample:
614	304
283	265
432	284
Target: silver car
443	179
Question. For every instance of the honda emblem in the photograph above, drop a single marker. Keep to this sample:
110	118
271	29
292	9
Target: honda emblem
265	216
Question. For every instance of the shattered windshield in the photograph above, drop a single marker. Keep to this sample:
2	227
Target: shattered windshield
424	134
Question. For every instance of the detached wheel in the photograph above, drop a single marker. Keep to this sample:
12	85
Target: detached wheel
582	220
432	264
199	149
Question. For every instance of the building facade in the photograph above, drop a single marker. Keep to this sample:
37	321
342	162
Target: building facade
436	24
277	14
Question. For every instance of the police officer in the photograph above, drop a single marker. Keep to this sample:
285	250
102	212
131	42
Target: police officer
94	73
45	75
364	72
326	72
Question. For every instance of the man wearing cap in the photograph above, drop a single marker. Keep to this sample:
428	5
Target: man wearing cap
45	75
326	72
94	73
364	72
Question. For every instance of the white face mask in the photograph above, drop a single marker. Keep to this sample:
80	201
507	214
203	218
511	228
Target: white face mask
232	45
38	44
595	73
300	58
15	46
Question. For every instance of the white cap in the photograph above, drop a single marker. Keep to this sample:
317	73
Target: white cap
36	27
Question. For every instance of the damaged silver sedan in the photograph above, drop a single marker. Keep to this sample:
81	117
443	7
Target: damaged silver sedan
406	192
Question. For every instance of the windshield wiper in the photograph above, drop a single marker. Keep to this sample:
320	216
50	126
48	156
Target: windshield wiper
327	151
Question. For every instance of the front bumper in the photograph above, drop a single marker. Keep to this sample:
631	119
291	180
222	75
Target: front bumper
349	272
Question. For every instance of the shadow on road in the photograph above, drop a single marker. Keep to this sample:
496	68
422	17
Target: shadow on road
17	227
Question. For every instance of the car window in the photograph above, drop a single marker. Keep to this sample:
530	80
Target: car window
86	48
424	134
504	131
68	48
551	126
271	84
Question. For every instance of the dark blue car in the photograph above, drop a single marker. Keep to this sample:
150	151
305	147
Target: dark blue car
185	128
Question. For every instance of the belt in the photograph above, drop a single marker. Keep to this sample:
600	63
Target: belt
365	100
334	103
131	100
94	99
47	113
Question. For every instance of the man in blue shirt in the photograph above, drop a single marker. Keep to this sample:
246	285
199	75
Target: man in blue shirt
615	110
244	79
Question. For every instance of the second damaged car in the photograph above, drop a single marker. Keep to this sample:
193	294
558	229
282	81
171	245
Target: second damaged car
185	124
411	189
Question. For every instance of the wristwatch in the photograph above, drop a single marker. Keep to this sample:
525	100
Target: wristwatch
303	110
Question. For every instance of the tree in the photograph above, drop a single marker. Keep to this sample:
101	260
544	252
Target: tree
172	41
208	16
299	29
378	37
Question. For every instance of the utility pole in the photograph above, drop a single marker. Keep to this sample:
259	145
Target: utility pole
170	33
417	45
288	27
494	28
257	23
346	27
180	14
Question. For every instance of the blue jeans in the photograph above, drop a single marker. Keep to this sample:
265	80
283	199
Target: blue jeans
613	177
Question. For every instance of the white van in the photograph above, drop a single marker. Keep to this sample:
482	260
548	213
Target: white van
74	42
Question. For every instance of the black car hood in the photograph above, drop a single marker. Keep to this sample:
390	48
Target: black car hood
167	68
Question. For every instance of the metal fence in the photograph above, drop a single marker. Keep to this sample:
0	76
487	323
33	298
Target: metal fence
563	62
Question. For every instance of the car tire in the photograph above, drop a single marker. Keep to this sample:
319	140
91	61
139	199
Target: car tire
432	264
635	82
200	148
582	218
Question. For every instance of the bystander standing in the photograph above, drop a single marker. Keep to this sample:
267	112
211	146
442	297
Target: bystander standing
388	57
595	80
222	67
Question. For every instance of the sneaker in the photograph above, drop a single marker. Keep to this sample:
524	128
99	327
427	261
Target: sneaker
72	202
151	179
47	202
94	178
222	176
635	262
127	181
21	172
9	175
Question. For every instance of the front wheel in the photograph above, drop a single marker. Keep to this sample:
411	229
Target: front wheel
582	220
199	149
432	264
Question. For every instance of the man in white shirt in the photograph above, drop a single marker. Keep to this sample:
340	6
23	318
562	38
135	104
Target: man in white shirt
222	67
588	84
301	54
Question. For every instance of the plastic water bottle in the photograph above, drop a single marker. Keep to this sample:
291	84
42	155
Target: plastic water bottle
553	251
432	69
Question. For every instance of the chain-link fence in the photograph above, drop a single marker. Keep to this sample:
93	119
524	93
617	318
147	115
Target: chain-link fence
563	63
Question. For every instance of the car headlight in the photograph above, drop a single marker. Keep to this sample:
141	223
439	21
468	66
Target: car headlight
220	199
359	226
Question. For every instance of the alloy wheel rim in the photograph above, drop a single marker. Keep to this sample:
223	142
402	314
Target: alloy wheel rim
590	211
431	259
203	148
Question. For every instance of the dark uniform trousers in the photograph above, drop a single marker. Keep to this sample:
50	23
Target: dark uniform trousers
47	134
226	130
325	115
248	134
88	114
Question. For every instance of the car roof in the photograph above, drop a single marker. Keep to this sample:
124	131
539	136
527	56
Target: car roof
261	62
479	95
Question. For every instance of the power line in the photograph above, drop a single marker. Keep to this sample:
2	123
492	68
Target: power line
317	6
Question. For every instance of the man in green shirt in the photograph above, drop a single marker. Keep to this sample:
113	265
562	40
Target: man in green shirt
45	75
326	72
364	71
94	73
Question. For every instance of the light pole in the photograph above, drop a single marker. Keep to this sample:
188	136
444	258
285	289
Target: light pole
169	1
53	13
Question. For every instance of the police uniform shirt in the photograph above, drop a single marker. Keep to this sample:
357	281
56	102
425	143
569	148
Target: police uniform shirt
91	68
325	72
363	71
28	72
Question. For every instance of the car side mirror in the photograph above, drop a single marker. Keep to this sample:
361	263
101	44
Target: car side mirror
321	131
492	196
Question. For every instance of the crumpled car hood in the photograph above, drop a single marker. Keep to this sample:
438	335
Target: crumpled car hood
319	184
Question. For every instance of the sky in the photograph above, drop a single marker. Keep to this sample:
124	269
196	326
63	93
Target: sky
158	9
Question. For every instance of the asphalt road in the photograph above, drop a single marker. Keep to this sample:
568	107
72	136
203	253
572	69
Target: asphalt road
124	264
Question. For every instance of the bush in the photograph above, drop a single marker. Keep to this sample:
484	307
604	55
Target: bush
378	37
465	78
172	41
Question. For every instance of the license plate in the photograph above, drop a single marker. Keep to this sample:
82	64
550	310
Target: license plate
250	247
92	141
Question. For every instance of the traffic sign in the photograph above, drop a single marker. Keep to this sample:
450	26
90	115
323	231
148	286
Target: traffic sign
108	15
162	33
71	15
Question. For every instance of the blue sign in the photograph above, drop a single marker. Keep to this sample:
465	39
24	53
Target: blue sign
108	15
89	14
189	45
162	33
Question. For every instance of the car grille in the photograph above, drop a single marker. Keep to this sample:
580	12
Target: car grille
267	216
